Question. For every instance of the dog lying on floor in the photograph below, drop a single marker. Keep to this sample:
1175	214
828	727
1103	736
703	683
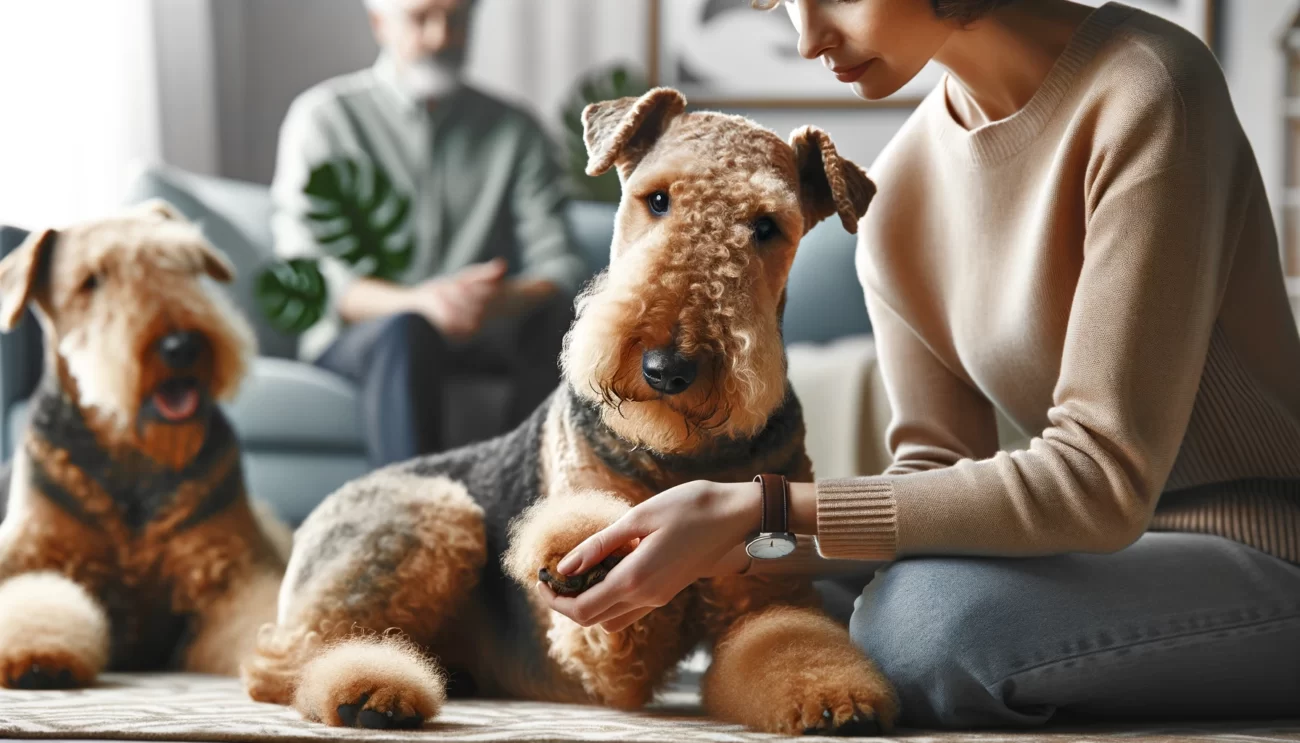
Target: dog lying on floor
675	371
128	542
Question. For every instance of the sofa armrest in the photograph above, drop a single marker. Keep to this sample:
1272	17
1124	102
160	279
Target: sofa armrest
20	355
844	406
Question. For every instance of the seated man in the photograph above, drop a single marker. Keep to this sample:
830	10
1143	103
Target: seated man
487	281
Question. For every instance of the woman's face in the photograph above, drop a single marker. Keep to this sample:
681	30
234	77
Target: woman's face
875	45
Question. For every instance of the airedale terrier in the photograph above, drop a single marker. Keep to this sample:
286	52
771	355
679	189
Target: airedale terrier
129	542
674	371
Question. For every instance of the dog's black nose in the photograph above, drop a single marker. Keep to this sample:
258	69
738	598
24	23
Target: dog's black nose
180	350
667	371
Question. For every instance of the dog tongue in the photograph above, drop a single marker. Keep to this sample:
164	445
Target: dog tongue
176	402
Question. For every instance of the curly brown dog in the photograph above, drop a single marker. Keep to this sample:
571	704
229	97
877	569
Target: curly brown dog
675	371
128	541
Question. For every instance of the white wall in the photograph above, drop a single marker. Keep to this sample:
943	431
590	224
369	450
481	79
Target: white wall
532	50
268	51
187	75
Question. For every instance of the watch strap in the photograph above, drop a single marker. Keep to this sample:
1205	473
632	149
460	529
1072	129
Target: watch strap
776	504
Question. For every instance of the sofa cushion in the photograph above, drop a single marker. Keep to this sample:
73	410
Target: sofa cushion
592	226
289	405
824	299
16	422
293	483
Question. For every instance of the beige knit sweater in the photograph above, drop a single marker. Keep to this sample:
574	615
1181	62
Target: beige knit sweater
1103	268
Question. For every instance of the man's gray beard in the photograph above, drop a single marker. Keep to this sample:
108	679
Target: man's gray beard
430	78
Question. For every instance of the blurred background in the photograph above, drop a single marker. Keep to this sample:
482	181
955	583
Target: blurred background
88	86
109	101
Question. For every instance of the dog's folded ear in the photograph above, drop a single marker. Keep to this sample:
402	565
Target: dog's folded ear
624	129
216	265
19	273
828	183
160	208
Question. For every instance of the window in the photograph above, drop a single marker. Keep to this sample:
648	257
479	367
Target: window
79	94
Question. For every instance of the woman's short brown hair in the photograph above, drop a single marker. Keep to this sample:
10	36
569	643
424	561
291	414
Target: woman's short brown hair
961	11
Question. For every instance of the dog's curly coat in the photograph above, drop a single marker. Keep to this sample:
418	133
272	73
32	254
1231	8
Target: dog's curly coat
445	549
128	541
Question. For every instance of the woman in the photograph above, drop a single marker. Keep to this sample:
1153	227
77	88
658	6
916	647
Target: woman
1071	229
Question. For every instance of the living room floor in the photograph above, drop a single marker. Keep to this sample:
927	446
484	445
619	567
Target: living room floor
184	707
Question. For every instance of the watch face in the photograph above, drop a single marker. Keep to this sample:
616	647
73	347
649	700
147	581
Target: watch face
770	546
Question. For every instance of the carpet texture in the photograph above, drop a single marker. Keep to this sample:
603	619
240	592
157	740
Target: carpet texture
181	707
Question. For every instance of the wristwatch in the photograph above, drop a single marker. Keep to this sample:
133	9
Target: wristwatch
774	538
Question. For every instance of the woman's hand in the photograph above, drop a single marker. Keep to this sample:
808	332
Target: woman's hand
683	534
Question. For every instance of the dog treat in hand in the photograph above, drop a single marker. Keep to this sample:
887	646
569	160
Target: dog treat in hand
572	585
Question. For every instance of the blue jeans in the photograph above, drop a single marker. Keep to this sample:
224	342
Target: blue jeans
1175	626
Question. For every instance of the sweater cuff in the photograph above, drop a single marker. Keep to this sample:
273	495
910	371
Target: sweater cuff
857	519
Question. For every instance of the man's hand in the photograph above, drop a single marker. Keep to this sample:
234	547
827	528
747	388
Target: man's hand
458	304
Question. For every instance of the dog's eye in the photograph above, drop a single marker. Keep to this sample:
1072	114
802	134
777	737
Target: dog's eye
90	284
765	229
658	203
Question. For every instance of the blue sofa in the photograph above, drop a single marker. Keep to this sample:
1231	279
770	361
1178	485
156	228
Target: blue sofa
299	425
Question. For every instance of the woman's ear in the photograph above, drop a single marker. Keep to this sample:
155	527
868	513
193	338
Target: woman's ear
828	183
624	129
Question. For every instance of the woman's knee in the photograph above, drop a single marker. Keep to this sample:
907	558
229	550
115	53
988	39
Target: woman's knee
926	607
940	630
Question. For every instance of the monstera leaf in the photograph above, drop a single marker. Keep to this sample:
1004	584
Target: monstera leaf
292	294
362	226
600	85
358	217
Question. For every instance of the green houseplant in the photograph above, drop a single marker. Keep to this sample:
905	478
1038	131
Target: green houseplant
358	217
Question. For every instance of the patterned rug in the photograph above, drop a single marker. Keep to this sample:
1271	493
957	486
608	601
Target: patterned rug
201	708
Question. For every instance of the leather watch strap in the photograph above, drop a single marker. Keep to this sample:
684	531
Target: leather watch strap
776	504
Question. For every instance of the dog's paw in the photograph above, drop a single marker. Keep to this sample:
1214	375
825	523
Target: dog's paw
43	671
572	585
794	671
384	709
53	633
845	717
381	682
847	698
548	530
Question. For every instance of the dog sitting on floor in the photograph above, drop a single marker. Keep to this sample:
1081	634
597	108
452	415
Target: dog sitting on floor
128	542
437	557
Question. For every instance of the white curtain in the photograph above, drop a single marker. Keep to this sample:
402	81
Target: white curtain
78	106
536	50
